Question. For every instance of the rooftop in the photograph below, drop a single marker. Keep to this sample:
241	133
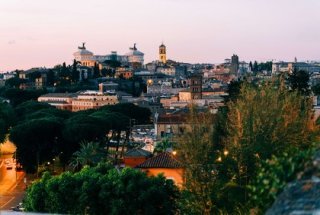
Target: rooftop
163	160
137	153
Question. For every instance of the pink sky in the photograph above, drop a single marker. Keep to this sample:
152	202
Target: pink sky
36	33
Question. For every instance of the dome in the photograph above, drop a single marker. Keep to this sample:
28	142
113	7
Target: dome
134	52
162	46
82	51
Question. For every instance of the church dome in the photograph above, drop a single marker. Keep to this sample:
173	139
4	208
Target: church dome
82	51
134	52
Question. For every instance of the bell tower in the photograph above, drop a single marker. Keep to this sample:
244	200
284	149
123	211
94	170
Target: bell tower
162	54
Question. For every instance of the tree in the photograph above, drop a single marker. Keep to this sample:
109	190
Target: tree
30	107
255	133
197	151
96	70
274	174
14	82
75	75
126	192
18	96
36	141
89	154
64	75
141	115
234	89
255	67
50	78
299	80
7	118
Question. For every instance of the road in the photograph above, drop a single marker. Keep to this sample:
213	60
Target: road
12	187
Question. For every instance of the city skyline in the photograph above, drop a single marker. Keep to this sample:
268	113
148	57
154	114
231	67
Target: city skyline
44	33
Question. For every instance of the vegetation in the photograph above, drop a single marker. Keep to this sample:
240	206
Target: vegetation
103	190
7	118
197	150
236	161
299	80
43	132
241	159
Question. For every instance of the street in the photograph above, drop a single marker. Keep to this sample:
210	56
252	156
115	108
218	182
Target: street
12	186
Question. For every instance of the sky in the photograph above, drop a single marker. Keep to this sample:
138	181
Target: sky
44	33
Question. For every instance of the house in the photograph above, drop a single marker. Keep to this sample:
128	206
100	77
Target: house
168	125
134	157
166	164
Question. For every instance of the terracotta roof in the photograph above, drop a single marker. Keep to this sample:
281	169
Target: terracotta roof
137	153
163	160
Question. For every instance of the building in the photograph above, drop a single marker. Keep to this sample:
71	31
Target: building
135	57
169	125
167	70
195	89
164	163
234	67
61	101
162	54
124	72
134	157
79	101
93	100
84	56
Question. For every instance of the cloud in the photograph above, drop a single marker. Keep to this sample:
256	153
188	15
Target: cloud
12	42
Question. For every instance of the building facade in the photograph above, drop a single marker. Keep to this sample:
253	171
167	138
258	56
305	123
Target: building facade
163	54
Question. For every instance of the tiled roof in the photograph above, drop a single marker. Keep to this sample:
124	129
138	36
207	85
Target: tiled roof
137	153
163	160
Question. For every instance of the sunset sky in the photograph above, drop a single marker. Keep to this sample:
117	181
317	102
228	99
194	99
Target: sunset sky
35	33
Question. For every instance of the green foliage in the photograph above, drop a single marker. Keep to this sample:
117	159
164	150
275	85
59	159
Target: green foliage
89	154
234	89
7	118
197	151
262	122
299	80
163	145
316	89
274	174
14	82
36	141
260	67
30	107
18	96
103	190
141	115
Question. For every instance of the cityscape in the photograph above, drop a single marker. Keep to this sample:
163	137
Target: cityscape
159	109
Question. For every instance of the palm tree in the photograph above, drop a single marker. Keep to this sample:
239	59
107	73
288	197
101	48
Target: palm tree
89	154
